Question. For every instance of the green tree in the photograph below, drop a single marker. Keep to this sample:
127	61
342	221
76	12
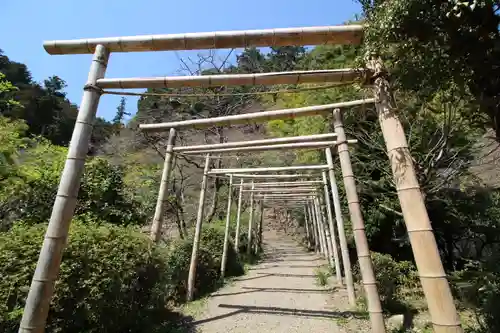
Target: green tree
120	114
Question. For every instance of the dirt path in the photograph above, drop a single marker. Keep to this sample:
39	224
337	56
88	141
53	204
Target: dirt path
280	294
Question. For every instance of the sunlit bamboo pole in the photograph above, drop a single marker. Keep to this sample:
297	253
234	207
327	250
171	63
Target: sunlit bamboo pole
286	146
282	190
268	169
285	195
341	76
163	192
271	176
331	227
250	222
287	184
320	228
315	228
197	233
47	268
340	34
358	228
436	289
260	225
306	225
226	231
238	219
346	260
254	117
262	142
326	233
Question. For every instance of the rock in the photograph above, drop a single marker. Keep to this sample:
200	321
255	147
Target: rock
396	322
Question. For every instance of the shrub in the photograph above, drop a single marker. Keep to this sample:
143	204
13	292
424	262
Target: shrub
107	274
29	195
208	268
392	277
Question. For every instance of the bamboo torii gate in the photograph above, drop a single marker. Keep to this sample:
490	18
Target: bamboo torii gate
429	265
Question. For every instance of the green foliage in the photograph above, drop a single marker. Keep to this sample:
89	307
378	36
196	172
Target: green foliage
11	140
30	194
208	268
392	278
322	274
107	274
435	45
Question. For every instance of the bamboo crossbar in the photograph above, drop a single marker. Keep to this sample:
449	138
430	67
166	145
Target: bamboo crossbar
345	75
251	143
341	34
282	190
254	117
279	184
286	146
267	169
290	195
305	175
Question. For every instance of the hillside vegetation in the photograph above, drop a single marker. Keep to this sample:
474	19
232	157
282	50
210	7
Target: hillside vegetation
444	70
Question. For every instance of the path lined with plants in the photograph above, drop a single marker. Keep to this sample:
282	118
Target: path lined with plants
280	294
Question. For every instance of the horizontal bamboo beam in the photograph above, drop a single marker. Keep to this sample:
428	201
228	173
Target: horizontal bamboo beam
268	169
291	195
282	190
251	143
346	75
285	146
304	175
254	117
278	184
341	34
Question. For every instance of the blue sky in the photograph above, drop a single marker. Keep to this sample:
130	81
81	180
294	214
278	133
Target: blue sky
25	24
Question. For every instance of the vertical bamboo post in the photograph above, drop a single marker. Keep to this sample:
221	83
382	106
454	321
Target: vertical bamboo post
47	268
329	212
346	260
226	231
358	228
238	219
321	234
163	192
197	232
261	221
250	222
326	233
308	233
315	228
430	268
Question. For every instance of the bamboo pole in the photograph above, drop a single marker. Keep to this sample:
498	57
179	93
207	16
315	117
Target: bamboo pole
327	240
315	227
268	169
282	190
287	184
226	231
436	289
306	224
319	227
345	75
250	222
263	142
238	219
358	227
163	192
254	117
47	268
340	34
346	260
197	232
259	228
286	195
269	176
286	146
333	239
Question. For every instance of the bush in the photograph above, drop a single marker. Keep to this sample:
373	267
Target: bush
107	274
208	268
392	277
30	194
